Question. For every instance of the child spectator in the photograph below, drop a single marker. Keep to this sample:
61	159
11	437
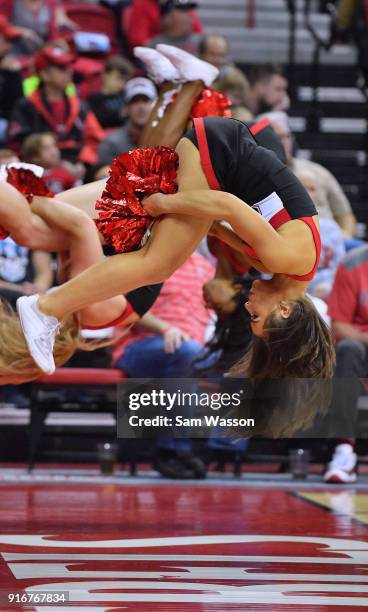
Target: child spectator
42	149
108	104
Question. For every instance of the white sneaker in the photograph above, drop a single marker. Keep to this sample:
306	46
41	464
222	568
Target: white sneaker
158	66
342	467
190	68
39	332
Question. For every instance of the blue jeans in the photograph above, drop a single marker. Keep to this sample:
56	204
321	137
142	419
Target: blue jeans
147	358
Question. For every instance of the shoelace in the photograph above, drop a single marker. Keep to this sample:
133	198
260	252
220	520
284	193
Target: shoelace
47	336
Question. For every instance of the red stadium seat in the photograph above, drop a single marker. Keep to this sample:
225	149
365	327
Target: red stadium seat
82	376
93	18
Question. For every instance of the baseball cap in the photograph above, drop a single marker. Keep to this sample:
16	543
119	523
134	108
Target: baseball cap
8	30
169	5
140	86
52	56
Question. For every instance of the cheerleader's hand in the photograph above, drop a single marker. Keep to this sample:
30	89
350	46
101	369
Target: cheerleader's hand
155	205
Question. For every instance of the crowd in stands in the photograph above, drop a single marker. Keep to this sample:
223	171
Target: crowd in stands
73	103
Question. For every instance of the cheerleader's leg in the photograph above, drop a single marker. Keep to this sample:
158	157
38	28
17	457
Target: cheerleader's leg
168	122
26	228
84	250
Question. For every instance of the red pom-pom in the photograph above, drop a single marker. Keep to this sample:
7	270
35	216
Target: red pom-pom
210	103
27	183
134	175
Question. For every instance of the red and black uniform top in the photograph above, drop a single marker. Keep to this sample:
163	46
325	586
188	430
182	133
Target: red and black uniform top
248	165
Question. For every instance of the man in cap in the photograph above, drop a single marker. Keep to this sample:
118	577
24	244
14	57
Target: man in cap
50	109
10	74
140	94
177	26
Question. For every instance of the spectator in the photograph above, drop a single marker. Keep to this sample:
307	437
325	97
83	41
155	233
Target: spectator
233	83
348	309
140	93
267	89
42	149
171	339
177	26
144	22
39	22
50	109
332	203
107	104
332	239
214	49
10	75
23	272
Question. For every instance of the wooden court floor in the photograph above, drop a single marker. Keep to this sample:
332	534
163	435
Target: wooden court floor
156	546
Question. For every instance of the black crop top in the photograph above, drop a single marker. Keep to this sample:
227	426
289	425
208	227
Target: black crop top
250	171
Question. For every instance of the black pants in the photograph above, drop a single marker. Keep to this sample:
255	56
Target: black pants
351	365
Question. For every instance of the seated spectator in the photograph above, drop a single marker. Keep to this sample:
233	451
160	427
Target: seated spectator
42	149
234	84
267	89
164	344
332	202
10	75
140	93
39	22
349	314
214	49
332	239
144	22
107	104
50	109
177	26
22	272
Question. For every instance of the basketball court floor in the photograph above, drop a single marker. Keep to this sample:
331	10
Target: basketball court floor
93	543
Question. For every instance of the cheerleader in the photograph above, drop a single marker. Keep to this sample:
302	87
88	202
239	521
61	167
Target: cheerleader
223	175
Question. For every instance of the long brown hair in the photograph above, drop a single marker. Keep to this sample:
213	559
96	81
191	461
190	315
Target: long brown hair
290	372
300	346
16	364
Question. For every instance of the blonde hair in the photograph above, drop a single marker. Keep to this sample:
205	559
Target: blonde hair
17	365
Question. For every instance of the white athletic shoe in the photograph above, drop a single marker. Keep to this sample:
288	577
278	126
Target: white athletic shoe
190	68
39	332
342	467
37	170
158	66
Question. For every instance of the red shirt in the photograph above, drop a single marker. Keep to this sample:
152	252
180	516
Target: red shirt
348	301
59	179
180	303
144	19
